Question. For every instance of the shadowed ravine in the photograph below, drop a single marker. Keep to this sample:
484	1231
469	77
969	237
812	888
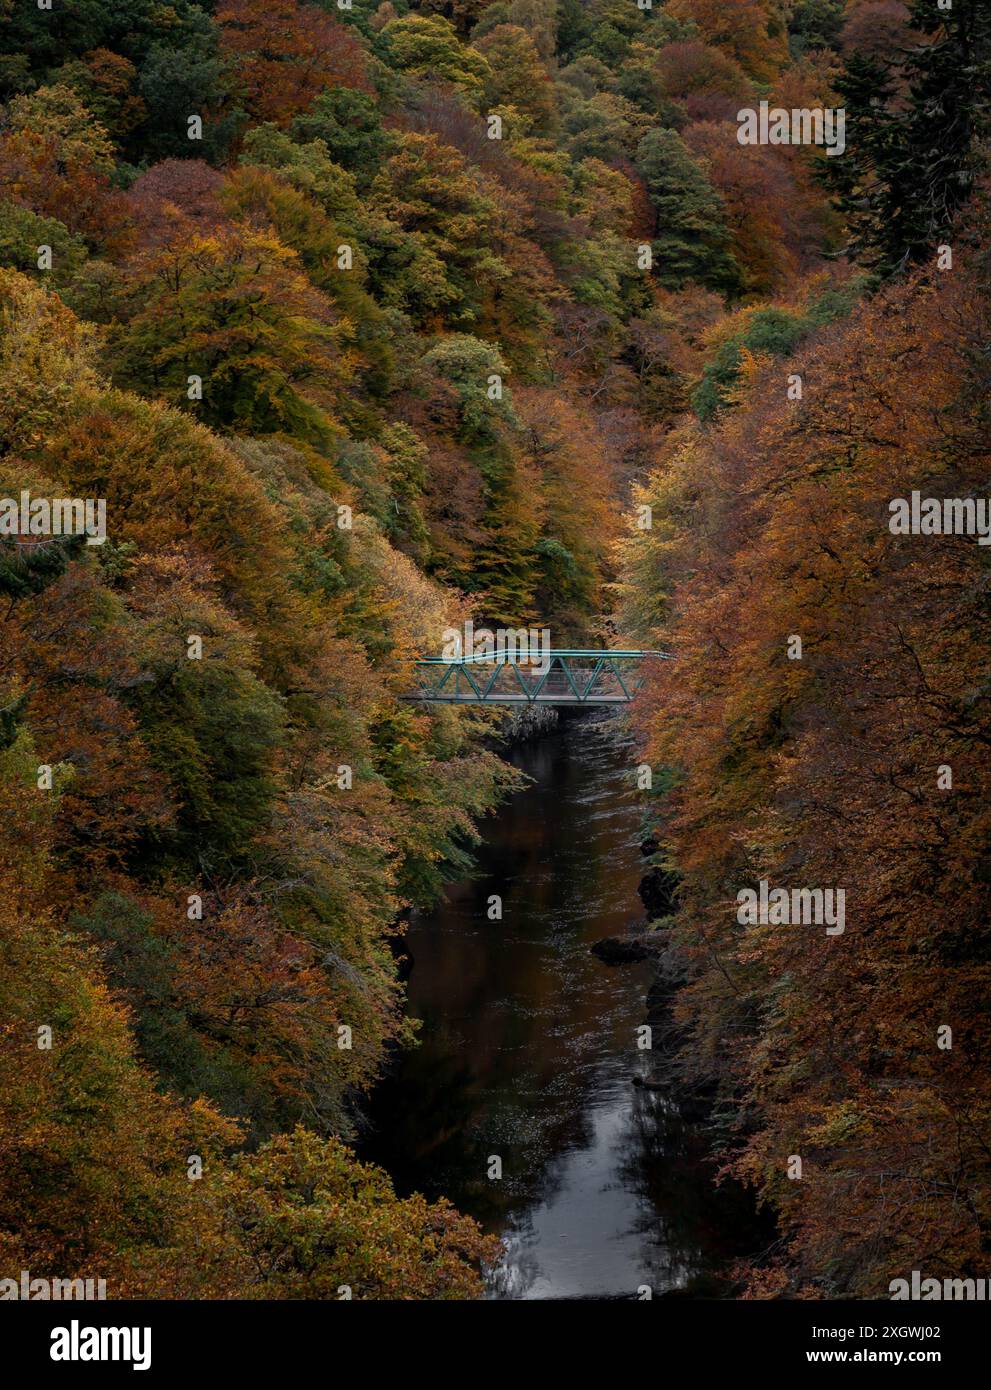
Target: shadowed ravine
529	1050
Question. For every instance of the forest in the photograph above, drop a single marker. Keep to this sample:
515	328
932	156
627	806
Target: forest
369	319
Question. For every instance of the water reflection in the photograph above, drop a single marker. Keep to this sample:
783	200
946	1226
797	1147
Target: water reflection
529	1049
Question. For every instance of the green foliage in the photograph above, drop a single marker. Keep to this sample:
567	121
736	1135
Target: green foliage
912	162
23	233
775	331
427	47
129	27
212	731
606	126
26	571
477	372
815	24
142	966
350	125
692	239
176	82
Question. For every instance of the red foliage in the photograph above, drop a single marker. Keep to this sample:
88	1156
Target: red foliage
286	54
173	192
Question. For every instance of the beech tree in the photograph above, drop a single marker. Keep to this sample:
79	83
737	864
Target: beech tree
286	54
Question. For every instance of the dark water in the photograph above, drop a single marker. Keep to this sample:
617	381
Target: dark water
529	1047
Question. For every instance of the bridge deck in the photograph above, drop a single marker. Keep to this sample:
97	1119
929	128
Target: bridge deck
564	676
509	699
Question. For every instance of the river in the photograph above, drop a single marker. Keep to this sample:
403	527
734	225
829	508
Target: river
529	1048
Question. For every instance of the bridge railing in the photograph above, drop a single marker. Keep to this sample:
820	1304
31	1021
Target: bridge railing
564	676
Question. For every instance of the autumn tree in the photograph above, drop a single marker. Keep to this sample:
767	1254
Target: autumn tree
52	144
435	261
302	1217
750	31
427	47
285	54
105	82
233	310
832	769
517	77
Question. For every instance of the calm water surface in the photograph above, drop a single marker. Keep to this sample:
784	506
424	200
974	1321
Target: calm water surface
529	1051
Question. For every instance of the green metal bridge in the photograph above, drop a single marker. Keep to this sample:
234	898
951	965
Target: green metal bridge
567	676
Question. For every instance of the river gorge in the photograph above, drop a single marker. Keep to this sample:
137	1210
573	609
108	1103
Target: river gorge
529	1052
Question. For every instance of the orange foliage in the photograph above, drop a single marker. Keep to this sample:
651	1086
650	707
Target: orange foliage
825	771
286	54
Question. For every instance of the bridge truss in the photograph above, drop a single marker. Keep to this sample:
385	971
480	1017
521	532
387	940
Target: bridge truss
568	676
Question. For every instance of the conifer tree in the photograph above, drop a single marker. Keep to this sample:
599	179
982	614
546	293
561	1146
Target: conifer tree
910	163
692	240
